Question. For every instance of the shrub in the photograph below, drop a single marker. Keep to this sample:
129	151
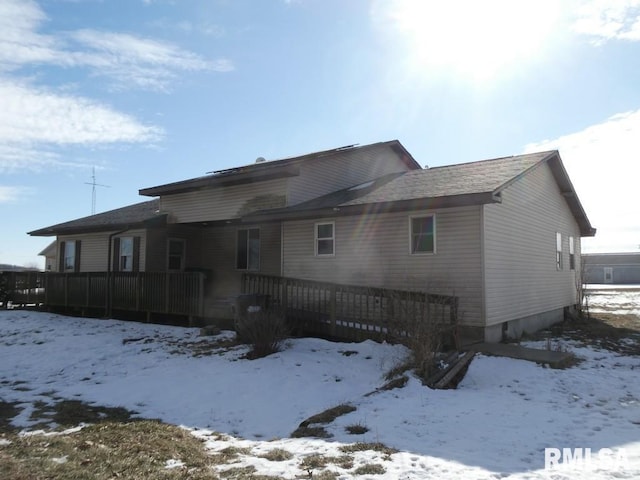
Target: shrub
264	330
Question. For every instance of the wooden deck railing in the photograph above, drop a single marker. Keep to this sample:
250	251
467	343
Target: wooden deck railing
351	311
23	288
174	293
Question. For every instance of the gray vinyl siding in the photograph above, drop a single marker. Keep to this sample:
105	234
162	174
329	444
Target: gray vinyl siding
374	250
94	249
520	249
223	203
218	255
328	175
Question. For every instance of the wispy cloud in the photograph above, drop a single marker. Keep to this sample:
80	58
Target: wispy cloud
605	20
603	163
128	60
37	123
13	194
34	119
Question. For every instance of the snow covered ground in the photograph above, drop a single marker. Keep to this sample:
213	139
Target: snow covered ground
497	424
616	299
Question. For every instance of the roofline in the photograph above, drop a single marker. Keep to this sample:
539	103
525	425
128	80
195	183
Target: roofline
566	189
271	170
430	203
159	219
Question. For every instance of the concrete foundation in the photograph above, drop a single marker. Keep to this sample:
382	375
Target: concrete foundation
514	329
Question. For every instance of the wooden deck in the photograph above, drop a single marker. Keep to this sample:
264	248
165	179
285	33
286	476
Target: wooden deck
352	312
174	293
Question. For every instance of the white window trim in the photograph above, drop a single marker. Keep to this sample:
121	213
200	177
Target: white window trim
130	268
316	239
72	265
435	243
572	253
184	253
559	251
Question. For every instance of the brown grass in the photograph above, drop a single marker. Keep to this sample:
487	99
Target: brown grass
137	450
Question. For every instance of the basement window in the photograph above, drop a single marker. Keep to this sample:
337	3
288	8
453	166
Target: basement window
325	239
423	234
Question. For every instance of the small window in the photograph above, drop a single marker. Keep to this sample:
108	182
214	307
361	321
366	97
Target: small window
325	240
423	234
559	251
69	256
248	249
176	256
572	254
125	254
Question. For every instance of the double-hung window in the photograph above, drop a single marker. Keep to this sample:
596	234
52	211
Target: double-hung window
423	234
125	254
70	256
248	249
176	250
325	239
572	254
558	251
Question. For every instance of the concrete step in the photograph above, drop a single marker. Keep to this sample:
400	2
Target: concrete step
551	358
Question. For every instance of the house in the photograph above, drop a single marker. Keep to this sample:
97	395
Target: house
613	268
503	236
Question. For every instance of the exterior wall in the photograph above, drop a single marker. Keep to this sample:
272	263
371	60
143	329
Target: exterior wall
157	243
373	250
624	268
218	253
222	203
94	249
327	175
521	277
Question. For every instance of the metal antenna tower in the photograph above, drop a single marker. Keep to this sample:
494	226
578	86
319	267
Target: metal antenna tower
93	190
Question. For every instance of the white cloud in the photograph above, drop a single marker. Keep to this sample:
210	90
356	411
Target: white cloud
128	60
33	120
609	19
603	163
13	194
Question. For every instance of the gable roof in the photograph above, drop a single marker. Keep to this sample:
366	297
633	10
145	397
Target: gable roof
133	216
448	186
273	169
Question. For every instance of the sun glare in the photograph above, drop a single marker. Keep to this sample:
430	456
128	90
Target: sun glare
473	38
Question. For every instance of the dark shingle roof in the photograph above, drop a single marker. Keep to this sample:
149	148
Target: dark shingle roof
273	169
131	216
454	185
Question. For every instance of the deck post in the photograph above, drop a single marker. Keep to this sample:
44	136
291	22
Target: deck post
332	308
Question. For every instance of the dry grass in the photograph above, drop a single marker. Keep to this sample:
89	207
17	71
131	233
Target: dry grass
608	331
110	450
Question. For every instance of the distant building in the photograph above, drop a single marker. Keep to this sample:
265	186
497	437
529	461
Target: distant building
614	268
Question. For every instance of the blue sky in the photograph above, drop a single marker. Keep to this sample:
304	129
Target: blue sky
149	92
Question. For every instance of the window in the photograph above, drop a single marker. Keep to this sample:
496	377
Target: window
559	251
176	248
325	240
248	249
572	254
70	256
126	254
423	234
